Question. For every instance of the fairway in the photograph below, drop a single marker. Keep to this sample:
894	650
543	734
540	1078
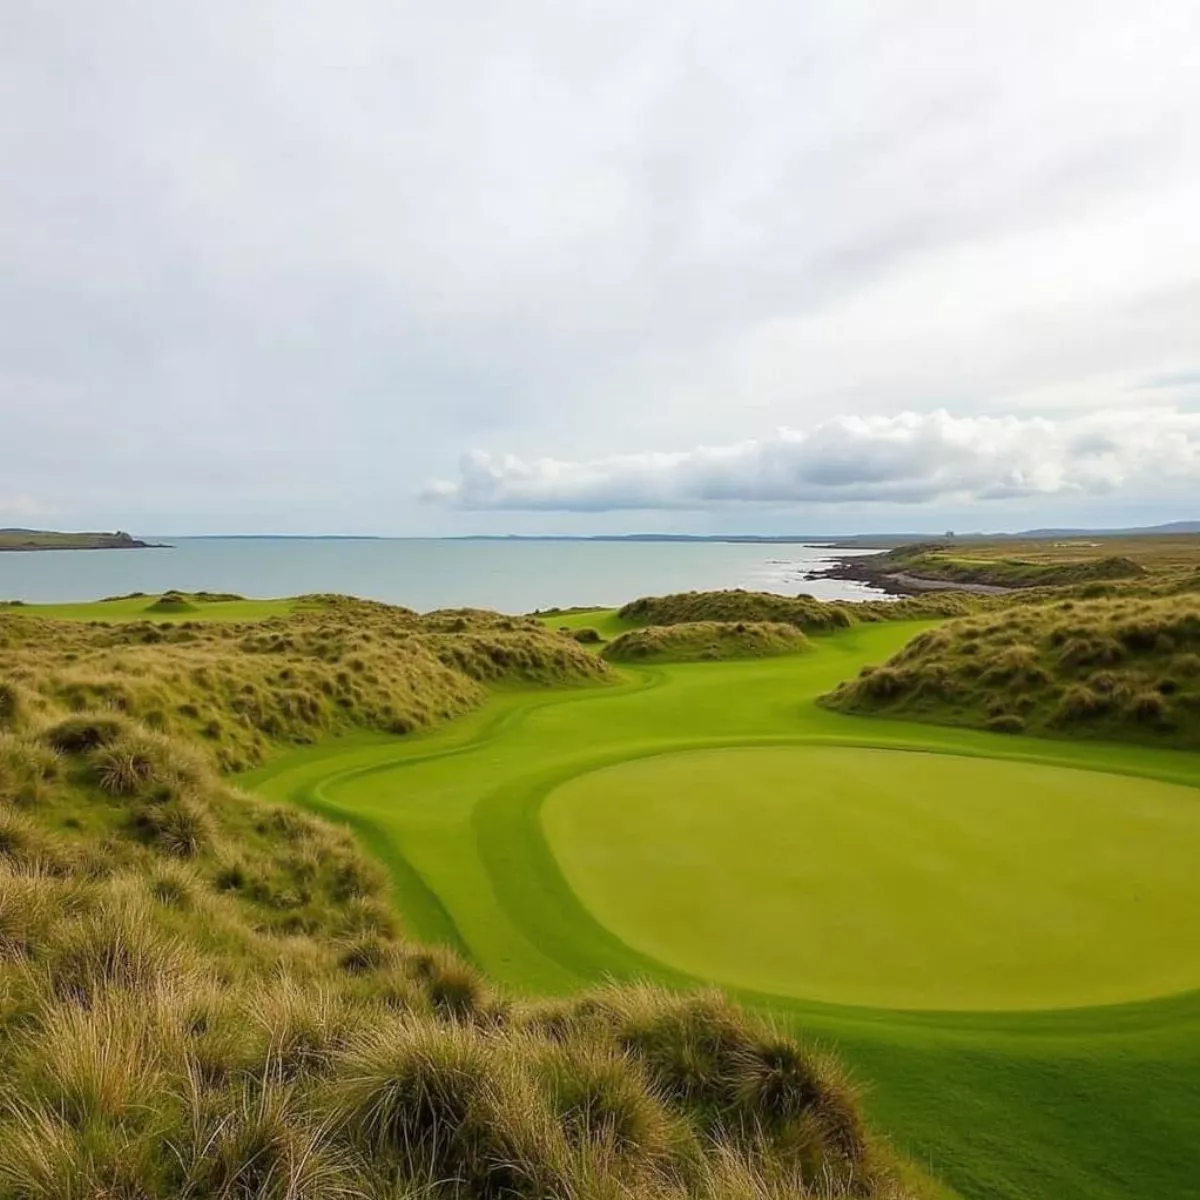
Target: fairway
999	933
895	879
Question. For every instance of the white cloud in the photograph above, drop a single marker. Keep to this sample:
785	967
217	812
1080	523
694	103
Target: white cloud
912	458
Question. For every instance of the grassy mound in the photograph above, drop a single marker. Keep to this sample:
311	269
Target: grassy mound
1126	669
196	597
696	641
205	995
802	612
240	689
171	602
586	635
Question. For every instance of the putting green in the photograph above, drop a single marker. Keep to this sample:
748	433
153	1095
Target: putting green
890	878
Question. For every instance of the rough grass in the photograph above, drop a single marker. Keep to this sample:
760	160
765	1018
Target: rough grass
801	612
961	564
139	606
1126	668
706	641
205	995
238	690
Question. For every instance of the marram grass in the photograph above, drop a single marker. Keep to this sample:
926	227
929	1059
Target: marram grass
1124	668
206	995
705	641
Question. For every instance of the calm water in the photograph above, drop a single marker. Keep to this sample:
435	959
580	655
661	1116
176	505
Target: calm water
423	574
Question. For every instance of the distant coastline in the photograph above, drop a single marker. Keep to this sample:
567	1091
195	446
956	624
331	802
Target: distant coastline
831	541
26	540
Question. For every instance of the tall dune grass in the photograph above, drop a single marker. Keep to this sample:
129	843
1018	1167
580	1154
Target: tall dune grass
206	996
1124	667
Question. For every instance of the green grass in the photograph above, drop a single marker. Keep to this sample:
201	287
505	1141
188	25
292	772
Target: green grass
1124	668
150	608
243	689
706	641
1122	564
1088	1103
803	612
892	879
605	621
1008	572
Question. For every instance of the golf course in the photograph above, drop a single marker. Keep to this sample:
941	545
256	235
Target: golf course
997	933
946	844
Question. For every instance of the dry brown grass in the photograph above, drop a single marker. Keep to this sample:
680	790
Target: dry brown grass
1125	668
706	641
240	689
205	996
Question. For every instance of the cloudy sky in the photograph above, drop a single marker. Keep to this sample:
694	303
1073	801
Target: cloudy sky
706	265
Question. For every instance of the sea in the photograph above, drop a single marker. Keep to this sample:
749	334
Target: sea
508	575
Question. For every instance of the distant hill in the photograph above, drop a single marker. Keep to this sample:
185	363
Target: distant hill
863	540
1145	530
42	539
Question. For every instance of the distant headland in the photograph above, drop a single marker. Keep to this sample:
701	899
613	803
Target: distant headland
41	539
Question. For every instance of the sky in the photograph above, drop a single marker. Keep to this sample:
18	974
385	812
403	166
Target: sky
703	266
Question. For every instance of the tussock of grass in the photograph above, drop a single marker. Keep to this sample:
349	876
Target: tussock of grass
203	995
801	612
709	641
1123	668
28	770
586	636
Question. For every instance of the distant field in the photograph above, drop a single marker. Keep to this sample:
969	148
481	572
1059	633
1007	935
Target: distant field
1153	552
1052	562
150	608
604	621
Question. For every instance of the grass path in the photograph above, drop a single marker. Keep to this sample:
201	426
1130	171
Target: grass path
1091	1103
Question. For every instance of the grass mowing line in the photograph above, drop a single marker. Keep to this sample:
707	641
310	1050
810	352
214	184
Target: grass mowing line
394	752
424	914
427	916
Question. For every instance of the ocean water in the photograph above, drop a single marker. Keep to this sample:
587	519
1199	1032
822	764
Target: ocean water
510	576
